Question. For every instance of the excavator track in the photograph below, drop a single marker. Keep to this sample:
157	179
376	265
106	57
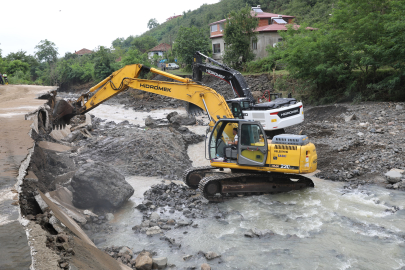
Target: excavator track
193	175
219	188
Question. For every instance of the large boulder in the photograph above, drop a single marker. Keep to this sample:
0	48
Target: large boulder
96	184
394	175
144	261
170	115
181	119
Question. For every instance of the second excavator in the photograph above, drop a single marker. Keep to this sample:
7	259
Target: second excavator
253	164
274	116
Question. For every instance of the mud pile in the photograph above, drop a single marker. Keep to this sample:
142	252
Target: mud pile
146	151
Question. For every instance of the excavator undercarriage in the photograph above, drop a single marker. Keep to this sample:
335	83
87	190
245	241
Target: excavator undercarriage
217	186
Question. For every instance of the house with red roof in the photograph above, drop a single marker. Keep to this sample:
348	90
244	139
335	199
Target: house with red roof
159	50
172	17
83	52
267	32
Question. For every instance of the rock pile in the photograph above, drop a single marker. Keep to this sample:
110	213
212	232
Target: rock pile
178	198
143	260
357	143
158	151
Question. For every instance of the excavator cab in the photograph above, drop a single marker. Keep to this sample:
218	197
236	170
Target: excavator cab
237	105
251	148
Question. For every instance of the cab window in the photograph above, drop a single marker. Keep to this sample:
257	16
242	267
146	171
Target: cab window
251	135
245	105
236	110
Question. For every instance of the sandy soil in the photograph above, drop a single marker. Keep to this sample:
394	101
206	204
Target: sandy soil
15	102
15	145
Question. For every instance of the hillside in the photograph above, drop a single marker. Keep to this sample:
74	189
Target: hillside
306	11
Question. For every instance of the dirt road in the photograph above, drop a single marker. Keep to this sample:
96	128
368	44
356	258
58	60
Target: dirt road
15	145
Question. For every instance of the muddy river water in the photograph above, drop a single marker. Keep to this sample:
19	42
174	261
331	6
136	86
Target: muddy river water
327	227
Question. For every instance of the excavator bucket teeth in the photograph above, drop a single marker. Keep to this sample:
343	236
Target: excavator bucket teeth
193	109
62	113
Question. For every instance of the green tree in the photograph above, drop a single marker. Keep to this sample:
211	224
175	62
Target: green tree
134	56
188	41
20	55
152	23
46	51
69	55
238	35
118	43
3	65
169	56
156	59
17	65
24	57
347	55
392	48
103	63
144	43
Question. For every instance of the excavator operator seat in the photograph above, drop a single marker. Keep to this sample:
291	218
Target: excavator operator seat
231	152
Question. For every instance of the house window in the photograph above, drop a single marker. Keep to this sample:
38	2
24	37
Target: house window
254	44
217	48
221	27
279	40
270	21
214	28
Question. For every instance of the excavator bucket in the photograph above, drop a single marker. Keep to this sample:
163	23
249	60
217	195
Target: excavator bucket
63	111
193	109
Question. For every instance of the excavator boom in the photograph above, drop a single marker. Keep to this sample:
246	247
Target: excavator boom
184	89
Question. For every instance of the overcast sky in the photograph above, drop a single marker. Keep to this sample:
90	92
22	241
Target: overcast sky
74	25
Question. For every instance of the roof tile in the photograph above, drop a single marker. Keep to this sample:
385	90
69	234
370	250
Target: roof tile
162	47
83	51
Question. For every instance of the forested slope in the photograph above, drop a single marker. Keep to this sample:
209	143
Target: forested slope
306	11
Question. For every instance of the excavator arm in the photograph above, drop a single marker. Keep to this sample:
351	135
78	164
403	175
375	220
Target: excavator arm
223	72
128	77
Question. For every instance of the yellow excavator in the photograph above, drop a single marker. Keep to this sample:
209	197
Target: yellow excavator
252	164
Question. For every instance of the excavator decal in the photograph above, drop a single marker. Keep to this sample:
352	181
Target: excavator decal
156	87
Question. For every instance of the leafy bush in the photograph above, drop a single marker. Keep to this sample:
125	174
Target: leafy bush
188	41
134	56
17	65
103	63
19	77
239	33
